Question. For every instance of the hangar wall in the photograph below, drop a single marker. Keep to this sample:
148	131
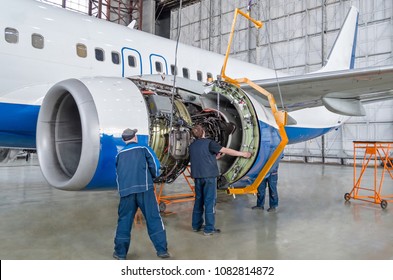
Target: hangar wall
297	38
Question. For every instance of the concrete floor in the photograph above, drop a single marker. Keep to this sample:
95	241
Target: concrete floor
312	222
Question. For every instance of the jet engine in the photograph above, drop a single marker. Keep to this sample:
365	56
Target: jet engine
81	120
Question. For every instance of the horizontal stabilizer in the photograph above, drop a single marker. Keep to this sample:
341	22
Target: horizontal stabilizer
344	106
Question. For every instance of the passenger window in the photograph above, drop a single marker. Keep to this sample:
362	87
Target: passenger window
37	41
11	35
81	50
99	54
131	61
158	66
115	58
173	69
199	76
209	76
186	73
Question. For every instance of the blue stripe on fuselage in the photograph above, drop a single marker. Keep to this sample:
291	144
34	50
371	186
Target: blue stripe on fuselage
18	123
269	140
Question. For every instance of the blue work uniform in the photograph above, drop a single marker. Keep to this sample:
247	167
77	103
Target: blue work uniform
269	181
205	171
136	167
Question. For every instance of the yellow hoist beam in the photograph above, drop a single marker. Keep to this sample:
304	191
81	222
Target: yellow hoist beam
279	116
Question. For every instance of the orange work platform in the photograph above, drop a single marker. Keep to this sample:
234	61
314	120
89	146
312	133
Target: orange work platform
374	155
164	200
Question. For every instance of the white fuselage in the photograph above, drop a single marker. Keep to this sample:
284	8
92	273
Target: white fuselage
28	72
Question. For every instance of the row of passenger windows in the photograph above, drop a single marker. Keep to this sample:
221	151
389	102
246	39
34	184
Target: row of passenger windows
12	37
37	41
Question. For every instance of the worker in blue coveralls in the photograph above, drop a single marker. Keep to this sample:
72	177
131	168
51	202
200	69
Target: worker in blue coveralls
269	181
203	158
136	167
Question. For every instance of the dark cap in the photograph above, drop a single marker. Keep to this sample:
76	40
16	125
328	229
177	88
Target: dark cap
128	134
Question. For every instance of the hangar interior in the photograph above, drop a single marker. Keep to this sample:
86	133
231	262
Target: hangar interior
312	222
296	39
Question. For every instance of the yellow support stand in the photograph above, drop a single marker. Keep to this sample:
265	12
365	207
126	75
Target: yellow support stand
279	116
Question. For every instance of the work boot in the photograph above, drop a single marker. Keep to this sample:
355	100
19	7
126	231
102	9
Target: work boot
164	255
212	232
115	256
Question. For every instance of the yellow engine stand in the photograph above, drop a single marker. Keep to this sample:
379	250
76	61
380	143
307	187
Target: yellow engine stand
279	116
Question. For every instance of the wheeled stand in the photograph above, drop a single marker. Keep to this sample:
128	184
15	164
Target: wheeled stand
377	153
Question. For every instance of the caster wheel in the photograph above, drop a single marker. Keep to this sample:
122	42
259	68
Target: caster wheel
384	204
162	206
347	197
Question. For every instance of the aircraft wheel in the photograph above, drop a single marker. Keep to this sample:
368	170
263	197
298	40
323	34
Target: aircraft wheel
347	197
384	204
162	206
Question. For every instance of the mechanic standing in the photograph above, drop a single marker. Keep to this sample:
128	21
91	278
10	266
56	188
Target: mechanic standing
203	158
136	167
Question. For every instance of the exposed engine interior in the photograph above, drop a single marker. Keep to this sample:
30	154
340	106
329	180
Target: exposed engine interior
218	110
79	121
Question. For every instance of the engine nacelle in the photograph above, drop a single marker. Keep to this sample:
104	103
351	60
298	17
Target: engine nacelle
79	130
81	120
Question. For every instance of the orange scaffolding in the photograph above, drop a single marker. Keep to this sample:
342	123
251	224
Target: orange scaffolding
164	200
377	152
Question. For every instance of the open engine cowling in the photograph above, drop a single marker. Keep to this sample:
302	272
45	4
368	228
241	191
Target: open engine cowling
81	120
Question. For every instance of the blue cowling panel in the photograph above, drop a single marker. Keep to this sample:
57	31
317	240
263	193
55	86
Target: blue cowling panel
301	134
18	125
269	141
105	175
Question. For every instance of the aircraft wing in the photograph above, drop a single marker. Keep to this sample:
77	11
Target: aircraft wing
342	92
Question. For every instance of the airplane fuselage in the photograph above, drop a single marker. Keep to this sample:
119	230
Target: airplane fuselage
44	44
70	84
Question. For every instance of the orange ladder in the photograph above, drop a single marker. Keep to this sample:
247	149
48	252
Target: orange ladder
377	152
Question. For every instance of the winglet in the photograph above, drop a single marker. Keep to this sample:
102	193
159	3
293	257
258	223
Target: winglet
342	55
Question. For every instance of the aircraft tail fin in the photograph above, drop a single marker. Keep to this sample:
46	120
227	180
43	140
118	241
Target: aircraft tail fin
342	55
